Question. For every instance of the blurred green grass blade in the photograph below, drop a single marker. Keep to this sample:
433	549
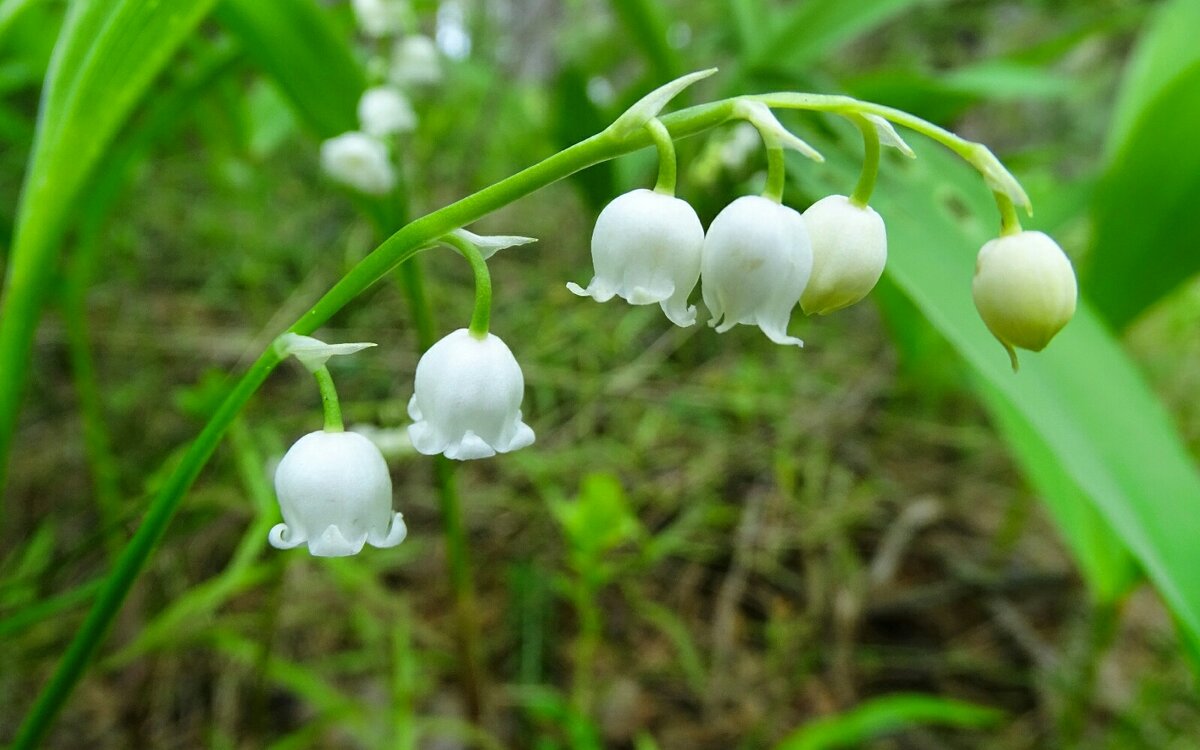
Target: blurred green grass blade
816	27
1146	222
1166	50
888	713
296	43
576	117
748	17
646	22
14	623
1001	80
1082	396
10	10
1107	568
106	56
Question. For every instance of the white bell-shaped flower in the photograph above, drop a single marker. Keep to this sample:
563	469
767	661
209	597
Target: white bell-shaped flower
359	161
646	250
378	18
849	245
415	62
756	262
335	494
467	399
1024	289
384	111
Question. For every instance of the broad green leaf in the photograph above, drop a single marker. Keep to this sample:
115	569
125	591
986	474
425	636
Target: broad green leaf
1107	568
1082	397
1146	223
107	55
816	27
296	43
1144	217
886	714
1166	49
1106	565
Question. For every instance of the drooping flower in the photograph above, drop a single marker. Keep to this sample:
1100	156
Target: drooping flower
335	494
849	245
359	161
756	262
646	250
378	18
415	62
466	400
384	111
1024	289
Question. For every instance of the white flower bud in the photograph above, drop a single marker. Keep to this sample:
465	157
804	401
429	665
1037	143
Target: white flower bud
335	493
1024	289
359	161
646	250
384	111
467	399
849	245
379	18
415	62
756	262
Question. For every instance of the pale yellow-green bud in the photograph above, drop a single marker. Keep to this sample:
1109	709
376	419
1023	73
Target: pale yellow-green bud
849	246
1024	289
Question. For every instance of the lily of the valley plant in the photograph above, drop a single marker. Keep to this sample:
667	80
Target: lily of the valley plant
757	261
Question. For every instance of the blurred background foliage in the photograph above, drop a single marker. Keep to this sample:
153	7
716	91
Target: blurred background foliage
885	540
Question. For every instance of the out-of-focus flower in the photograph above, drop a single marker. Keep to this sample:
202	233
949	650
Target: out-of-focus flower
378	18
335	495
849	245
756	262
384	111
359	161
1024	289
415	62
646	250
392	442
466	401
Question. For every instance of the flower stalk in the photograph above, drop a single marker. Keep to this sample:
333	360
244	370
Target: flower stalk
329	401
482	313
870	170
667	167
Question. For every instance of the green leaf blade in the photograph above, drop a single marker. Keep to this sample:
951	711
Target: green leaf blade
107	55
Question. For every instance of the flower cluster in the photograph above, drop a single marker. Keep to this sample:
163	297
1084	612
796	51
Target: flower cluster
761	258
362	159
757	261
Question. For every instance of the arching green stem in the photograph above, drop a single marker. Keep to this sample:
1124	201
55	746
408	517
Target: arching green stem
999	179
329	401
1010	223
870	170
482	314
667	167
